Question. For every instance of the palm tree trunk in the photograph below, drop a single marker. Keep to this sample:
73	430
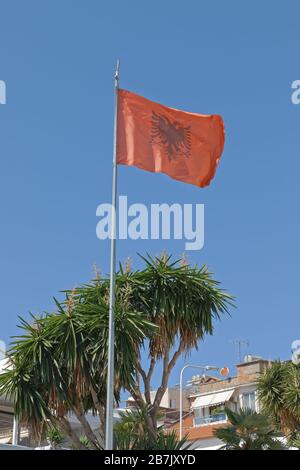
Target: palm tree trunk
64	425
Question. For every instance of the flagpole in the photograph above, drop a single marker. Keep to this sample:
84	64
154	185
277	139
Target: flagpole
111	329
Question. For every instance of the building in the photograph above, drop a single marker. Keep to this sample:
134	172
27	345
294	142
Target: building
6	414
208	399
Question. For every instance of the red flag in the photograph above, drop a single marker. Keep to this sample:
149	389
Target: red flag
185	146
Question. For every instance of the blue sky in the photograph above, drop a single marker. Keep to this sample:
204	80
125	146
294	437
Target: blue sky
236	59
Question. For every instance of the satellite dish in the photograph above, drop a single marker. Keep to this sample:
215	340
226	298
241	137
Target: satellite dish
224	371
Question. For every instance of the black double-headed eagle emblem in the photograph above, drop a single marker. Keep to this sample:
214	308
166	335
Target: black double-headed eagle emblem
174	138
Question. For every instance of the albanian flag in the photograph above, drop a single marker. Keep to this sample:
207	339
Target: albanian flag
185	146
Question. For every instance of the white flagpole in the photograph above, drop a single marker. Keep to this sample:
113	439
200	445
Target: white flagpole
111	332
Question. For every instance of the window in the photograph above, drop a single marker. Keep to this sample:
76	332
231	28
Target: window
173	403
248	401
209	415
199	416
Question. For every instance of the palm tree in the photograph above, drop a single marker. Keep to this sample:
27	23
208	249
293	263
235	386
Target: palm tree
60	362
279	395
58	365
132	433
169	441
55	437
183	302
248	430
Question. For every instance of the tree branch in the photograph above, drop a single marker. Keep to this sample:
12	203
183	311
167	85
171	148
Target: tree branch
64	425
164	381
100	410
147	388
176	355
80	415
151	368
167	369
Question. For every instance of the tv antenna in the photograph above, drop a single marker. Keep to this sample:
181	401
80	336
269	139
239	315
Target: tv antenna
240	343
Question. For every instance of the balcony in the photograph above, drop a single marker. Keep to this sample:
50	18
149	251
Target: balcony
215	418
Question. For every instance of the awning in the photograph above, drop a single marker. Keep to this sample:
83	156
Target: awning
221	397
213	399
200	402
